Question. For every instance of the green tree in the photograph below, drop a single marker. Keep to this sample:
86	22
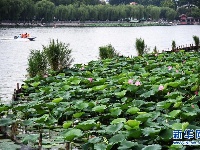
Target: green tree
45	9
28	10
62	13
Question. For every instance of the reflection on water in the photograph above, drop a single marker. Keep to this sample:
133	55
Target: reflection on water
84	43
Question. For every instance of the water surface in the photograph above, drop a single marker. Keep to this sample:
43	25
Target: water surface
84	42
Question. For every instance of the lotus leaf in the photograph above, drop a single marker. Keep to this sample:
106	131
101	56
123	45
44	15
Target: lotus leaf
72	134
67	124
152	147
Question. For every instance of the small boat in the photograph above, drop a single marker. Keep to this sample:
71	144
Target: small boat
30	38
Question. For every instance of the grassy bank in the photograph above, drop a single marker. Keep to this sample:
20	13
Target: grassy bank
120	103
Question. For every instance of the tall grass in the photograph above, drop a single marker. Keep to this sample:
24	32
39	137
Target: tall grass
107	51
196	41
140	46
173	45
58	55
37	63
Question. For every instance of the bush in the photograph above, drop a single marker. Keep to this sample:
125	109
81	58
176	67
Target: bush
173	45
196	41
140	46
58	55
107	52
37	63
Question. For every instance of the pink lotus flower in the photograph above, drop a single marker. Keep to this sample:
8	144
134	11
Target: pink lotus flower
137	83
161	87
90	79
196	92
177	71
169	67
168	93
156	54
130	81
82	68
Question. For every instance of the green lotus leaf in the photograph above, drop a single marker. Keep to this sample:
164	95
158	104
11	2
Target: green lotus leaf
81	105
148	131
75	81
94	140
117	138
194	88
100	146
181	126
115	111
66	87
177	104
148	94
164	104
132	88
112	129
67	124
4	108
57	100
134	124
134	133
118	120
99	87
99	109
166	134
72	134
174	84
6	121
30	138
133	110
152	147
35	84
121	94
127	145
143	117
78	114
174	113
86	125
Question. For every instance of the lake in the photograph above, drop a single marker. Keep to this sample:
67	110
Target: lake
84	42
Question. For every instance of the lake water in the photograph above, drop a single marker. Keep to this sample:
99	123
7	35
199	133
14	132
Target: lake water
84	42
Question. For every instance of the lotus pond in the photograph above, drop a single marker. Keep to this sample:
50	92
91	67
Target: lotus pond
120	103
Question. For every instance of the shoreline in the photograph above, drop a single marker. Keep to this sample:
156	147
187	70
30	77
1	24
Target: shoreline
85	24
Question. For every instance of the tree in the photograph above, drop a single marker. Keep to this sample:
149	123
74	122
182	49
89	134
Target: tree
62	13
45	9
28	10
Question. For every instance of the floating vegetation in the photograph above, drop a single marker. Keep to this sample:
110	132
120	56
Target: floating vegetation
120	103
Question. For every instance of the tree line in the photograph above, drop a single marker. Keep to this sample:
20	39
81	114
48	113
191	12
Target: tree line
82	10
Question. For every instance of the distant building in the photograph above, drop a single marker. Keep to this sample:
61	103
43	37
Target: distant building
133	3
106	1
187	20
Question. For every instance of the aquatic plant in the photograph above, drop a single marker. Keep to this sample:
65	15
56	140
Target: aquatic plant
37	63
107	51
58	55
173	45
140	46
119	103
196	41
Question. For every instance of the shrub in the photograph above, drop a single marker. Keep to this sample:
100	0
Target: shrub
58	55
37	63
173	45
196	41
155	50
140	46
107	51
